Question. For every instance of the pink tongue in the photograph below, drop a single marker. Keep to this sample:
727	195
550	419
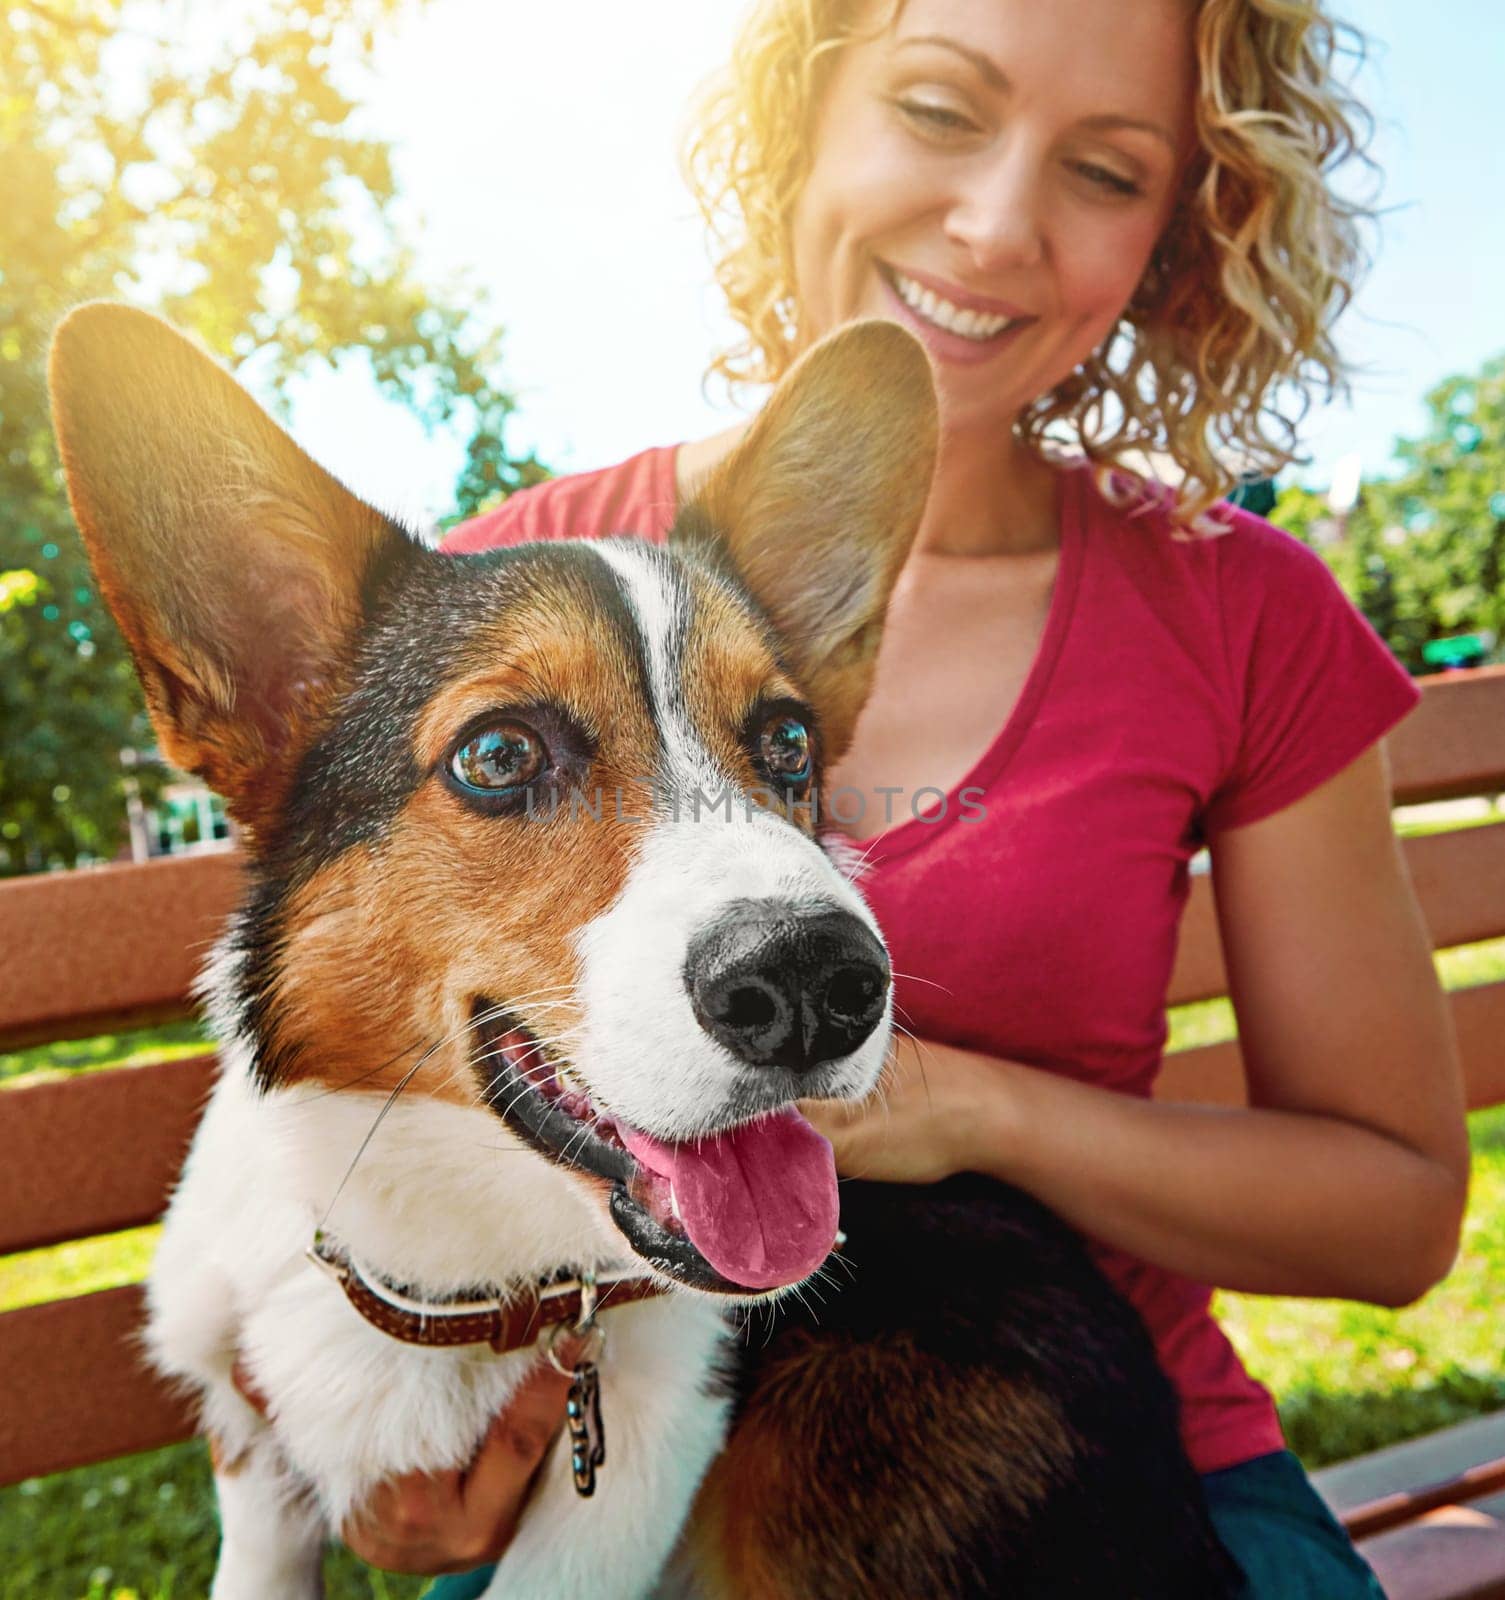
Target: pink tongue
759	1202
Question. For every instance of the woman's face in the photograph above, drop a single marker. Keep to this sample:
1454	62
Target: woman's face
994	174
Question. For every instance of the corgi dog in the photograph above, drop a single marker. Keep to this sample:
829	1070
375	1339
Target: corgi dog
540	945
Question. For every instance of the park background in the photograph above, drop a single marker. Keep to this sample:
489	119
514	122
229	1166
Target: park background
448	242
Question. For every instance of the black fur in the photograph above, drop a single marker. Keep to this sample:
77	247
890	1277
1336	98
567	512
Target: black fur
960	1308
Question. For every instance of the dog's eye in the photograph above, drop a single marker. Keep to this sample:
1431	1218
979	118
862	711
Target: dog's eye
785	748
506	756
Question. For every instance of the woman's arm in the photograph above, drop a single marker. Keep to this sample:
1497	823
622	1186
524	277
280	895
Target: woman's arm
1348	1175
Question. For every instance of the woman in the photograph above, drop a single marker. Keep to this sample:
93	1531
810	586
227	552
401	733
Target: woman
1109	225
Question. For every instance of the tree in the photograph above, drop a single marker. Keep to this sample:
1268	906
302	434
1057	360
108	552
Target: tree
236	194
1424	552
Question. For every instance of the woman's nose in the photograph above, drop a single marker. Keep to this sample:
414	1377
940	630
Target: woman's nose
997	216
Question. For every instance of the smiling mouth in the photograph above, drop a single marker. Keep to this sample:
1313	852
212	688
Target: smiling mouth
546	1105
980	327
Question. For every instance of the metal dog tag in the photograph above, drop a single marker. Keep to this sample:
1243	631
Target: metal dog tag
582	1409
587	1436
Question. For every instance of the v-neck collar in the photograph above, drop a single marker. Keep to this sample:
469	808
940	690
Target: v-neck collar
989	766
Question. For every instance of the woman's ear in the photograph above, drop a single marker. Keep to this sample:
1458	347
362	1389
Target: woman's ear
816	509
232	562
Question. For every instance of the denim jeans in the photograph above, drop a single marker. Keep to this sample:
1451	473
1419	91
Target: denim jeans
1268	1515
1279	1530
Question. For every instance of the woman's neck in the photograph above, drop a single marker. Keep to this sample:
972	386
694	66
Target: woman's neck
989	497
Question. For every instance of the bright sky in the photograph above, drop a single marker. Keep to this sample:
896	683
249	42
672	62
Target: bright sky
537	145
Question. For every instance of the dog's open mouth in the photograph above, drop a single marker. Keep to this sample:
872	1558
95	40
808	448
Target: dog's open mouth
740	1212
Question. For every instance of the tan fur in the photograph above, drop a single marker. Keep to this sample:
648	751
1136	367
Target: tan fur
727	670
788	1474
197	553
839	461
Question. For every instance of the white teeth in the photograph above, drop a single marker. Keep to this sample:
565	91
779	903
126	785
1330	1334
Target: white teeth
674	1204
926	303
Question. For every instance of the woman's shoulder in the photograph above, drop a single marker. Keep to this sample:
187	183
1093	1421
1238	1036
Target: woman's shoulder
637	496
1239	557
1299	681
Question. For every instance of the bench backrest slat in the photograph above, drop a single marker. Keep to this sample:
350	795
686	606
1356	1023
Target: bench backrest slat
109	947
1460	883
96	1153
1214	1074
1453	744
76	1389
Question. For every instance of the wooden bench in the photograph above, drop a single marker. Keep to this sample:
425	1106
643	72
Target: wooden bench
118	946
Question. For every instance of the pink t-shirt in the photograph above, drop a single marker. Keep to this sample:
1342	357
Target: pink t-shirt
1179	688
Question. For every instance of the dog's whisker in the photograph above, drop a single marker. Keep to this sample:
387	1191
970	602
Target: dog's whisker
922	1050
842	1260
518	1094
360	1078
387	1105
806	1306
402	1083
510	1007
914	977
536	1045
814	1283
580	1135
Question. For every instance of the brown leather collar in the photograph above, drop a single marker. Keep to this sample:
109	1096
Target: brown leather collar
504	1324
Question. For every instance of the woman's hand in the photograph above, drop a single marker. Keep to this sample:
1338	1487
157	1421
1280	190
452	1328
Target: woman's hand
432	1523
911	1129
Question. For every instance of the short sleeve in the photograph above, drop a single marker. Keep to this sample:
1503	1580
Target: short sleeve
512	522
1314	684
637	496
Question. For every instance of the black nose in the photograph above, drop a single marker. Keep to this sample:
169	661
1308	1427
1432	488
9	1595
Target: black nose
786	988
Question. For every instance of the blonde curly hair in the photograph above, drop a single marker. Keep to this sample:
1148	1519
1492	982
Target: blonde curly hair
1226	342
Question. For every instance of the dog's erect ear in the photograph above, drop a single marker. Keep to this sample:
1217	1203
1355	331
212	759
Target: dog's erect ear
233	563
819	504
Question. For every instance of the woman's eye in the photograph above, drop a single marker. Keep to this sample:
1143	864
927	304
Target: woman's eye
933	118
785	747
1104	178
506	756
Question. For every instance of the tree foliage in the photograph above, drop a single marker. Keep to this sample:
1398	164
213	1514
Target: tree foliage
232	188
1424	551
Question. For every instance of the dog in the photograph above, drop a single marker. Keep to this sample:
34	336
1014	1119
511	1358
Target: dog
539	947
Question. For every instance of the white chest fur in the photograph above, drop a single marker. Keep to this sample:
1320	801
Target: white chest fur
442	1198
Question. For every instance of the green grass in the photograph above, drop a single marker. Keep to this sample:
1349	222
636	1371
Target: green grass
1478	813
138	1529
168	1043
1348	1378
1351	1378
79	1267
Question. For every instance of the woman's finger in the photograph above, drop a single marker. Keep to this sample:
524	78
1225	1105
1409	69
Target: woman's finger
408	1524
452	1521
496	1488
